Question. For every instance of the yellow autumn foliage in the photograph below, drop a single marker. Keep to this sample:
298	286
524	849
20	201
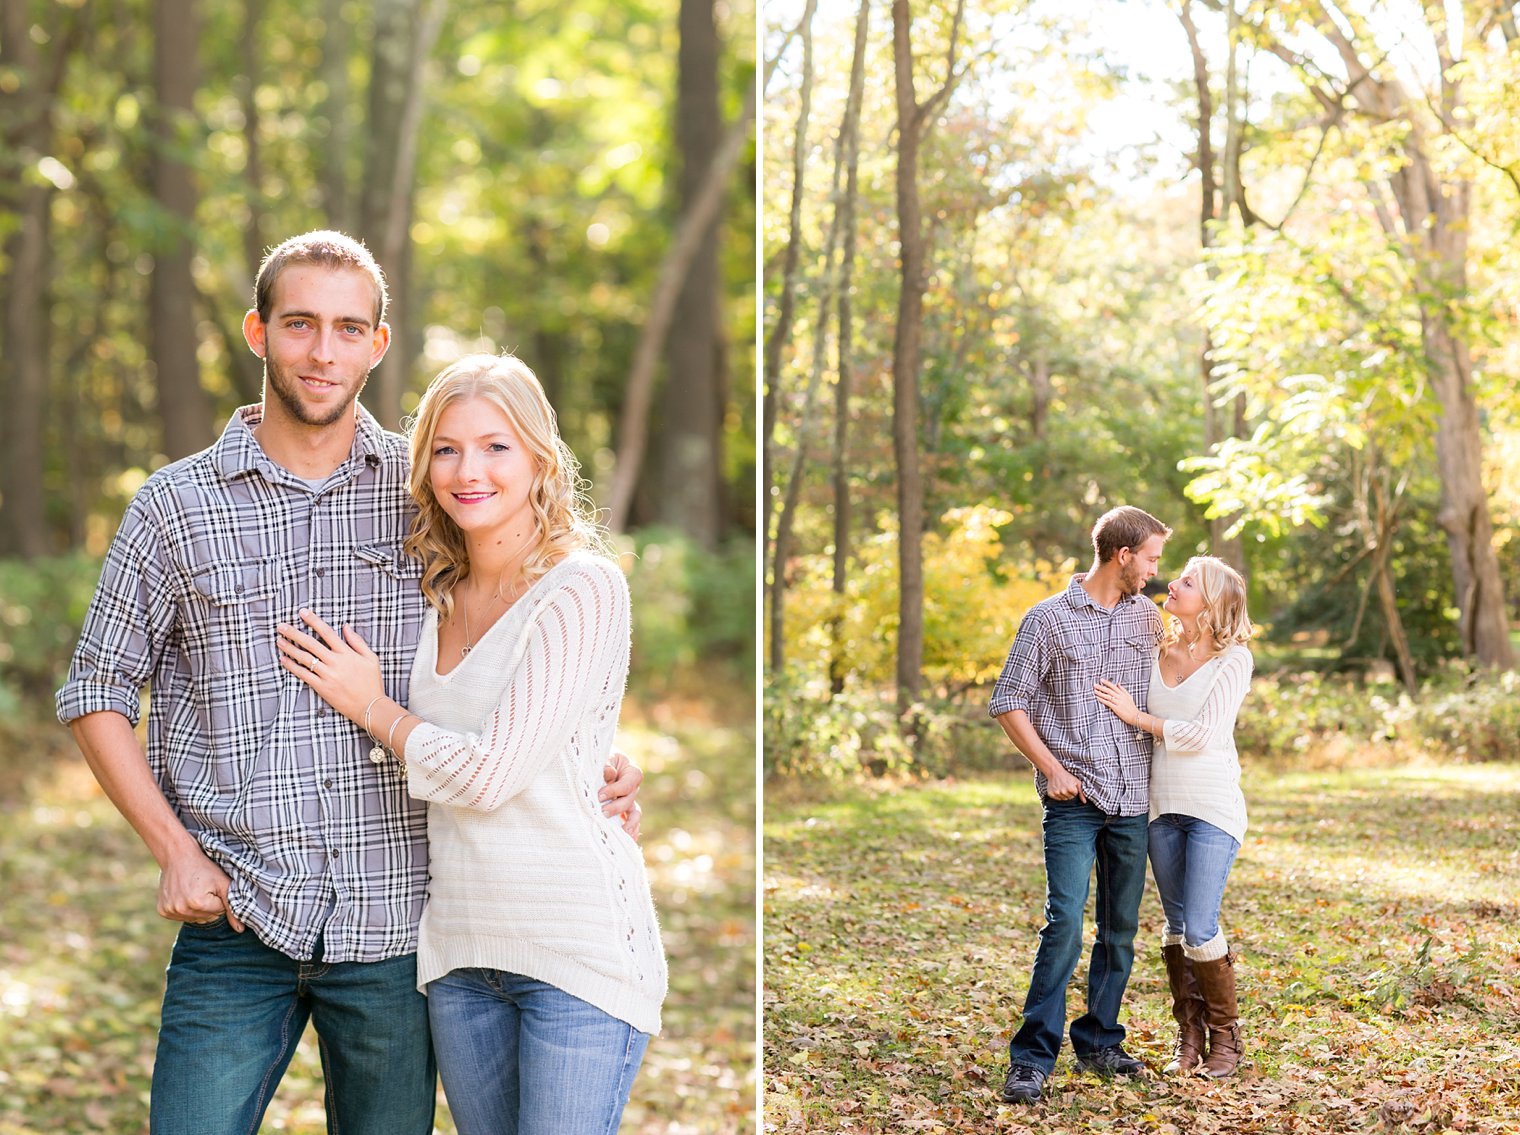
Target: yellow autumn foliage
973	601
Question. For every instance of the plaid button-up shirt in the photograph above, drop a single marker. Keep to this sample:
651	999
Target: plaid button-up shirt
1064	645
213	551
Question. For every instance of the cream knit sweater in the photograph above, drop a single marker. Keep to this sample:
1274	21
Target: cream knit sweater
526	874
1195	770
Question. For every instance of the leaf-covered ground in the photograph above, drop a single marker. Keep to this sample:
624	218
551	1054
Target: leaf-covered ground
82	951
1376	914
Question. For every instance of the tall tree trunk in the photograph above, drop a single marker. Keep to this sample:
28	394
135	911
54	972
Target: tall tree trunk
253	172
1436	217
850	131
913	119
336	114
688	473
786	303
633	420
1218	421
28	132
24	365
775	346
405	31
183	405
808	418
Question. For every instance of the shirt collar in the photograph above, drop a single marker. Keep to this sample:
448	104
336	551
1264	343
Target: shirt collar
238	453
1077	596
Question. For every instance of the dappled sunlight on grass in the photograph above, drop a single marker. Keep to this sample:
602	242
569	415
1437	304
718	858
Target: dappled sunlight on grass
82	951
1373	912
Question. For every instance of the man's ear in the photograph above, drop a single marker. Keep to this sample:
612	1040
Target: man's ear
380	344
254	330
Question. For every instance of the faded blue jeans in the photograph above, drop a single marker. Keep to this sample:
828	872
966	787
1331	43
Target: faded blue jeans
1077	838
234	1010
1191	861
518	1056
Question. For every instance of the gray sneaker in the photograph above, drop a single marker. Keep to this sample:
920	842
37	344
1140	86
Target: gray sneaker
1110	1061
1023	1084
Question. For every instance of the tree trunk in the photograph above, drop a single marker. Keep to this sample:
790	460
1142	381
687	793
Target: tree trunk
786	303
1387	599
404	38
808	417
28	131
253	172
1464	514
775	346
688	472
24	365
913	119
335	113
633	420
183	405
850	139
1217	423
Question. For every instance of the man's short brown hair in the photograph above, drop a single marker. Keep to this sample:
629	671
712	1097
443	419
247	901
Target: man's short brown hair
325	248
1124	527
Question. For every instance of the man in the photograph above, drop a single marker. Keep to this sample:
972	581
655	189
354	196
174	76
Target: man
297	867
1093	776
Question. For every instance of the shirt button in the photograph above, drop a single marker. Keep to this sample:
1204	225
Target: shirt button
327	783
322	711
238	589
321	572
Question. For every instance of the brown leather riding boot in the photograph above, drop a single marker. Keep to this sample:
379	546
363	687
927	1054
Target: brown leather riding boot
1187	1008
1216	979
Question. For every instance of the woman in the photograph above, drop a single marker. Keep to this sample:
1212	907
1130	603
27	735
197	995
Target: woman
1197	813
539	950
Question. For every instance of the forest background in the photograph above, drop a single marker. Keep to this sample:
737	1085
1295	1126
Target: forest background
1249	266
574	182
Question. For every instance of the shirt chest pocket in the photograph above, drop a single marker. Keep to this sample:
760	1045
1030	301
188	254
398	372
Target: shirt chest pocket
386	604
236	604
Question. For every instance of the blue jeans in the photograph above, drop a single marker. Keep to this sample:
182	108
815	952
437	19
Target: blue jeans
234	1010
1191	861
1077	837
520	1057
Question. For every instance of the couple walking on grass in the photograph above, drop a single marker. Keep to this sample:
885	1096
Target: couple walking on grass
1128	719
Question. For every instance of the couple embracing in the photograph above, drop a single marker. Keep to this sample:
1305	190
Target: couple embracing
385	674
1129	720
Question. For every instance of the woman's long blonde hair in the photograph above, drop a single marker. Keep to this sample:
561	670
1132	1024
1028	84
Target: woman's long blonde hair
564	518
1224	605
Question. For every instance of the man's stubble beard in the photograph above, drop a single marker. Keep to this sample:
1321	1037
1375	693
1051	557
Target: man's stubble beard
284	390
1131	584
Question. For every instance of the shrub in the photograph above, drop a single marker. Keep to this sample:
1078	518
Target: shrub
857	734
692	610
1461	715
42	607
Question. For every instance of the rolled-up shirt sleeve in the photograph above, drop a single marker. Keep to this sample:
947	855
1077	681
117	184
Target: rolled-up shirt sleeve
126	628
1025	666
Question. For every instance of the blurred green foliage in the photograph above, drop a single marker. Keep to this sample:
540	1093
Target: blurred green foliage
693	612
42	606
1292	717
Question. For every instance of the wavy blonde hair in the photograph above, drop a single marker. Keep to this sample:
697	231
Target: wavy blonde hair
564	518
1224	604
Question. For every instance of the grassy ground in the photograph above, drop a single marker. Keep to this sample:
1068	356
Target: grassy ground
1374	911
82	952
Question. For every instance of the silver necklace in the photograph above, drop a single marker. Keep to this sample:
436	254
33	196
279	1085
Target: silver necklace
464	609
